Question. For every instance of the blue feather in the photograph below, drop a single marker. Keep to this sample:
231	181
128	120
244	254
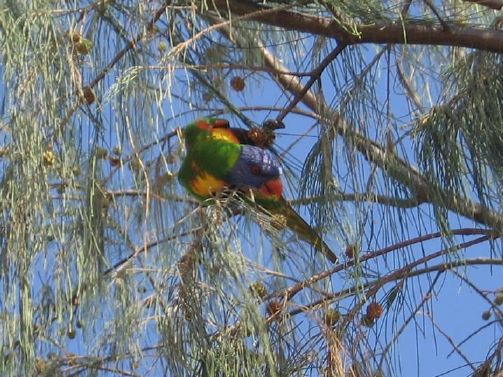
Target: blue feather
254	167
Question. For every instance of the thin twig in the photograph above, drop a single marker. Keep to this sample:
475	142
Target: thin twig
411	92
290	292
438	15
471	335
359	197
405	271
315	75
402	328
449	339
120	265
476	289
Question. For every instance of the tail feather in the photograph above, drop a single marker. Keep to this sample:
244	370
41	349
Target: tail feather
305	232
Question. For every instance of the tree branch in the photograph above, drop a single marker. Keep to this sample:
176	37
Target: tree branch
414	32
493	4
315	75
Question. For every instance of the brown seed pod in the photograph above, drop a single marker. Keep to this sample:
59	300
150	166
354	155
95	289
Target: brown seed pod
75	300
238	83
274	307
74	36
350	251
261	137
374	311
114	161
41	366
88	95
486	315
101	153
83	46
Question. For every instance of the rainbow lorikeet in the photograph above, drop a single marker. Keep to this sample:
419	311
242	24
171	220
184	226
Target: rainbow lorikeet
220	157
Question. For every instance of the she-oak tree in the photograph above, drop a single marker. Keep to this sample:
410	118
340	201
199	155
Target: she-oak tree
392	150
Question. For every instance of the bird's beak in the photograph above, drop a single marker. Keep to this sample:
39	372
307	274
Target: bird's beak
273	124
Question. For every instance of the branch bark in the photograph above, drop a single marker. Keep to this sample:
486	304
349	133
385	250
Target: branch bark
493	4
393	31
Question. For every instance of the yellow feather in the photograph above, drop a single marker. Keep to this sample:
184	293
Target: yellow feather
205	184
224	134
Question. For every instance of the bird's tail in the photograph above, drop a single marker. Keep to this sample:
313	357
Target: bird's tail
303	230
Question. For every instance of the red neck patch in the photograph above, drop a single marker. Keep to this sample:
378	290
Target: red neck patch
272	188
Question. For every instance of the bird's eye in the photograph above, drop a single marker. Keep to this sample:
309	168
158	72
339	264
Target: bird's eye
255	170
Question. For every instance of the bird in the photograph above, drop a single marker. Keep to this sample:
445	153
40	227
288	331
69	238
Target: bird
220	158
